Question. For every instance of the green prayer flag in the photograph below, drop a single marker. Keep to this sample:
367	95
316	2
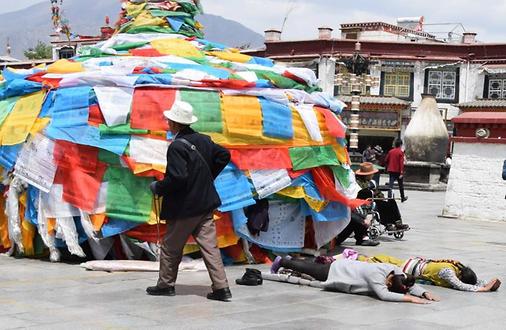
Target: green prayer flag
6	107
309	157
167	13
129	45
109	158
122	129
207	108
128	196
343	175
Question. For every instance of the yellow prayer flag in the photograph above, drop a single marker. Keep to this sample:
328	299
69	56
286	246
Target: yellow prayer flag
133	9
4	230
176	47
20	121
242	115
65	66
230	56
27	235
146	19
39	125
341	153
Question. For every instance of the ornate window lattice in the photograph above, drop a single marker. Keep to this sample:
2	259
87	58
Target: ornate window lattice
442	84
497	88
397	84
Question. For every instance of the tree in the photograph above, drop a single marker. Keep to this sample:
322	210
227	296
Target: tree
40	52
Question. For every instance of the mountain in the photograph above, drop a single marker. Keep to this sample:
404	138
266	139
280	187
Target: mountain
25	27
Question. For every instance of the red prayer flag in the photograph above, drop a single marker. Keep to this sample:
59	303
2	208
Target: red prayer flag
147	52
228	83
333	125
261	159
324	180
81	188
70	155
148	106
95	117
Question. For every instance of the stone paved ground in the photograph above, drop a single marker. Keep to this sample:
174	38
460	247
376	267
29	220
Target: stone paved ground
40	295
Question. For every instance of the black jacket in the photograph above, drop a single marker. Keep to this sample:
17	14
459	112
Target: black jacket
188	188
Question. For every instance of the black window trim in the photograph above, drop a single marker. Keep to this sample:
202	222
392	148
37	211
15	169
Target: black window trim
457	85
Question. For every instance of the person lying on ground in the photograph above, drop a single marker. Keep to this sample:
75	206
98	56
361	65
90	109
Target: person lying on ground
385	281
447	273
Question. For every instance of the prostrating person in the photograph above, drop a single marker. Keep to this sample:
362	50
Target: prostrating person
386	282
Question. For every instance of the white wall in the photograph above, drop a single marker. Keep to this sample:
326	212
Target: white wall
475	188
327	74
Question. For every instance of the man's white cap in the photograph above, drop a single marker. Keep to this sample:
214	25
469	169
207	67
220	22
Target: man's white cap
181	112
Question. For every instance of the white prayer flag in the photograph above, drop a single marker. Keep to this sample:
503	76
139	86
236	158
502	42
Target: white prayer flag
149	151
35	163
115	103
309	118
268	182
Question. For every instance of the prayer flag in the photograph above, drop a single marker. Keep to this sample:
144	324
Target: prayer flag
148	106
128	196
16	127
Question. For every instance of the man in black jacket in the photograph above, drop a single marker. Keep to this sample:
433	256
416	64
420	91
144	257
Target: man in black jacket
189	200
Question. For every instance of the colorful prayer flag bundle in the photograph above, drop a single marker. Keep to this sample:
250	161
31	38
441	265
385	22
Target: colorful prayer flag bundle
81	140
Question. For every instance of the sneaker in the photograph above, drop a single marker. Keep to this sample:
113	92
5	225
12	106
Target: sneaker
220	295
276	265
404	199
157	291
367	242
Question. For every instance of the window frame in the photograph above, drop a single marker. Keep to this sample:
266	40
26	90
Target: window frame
411	84
457	84
486	86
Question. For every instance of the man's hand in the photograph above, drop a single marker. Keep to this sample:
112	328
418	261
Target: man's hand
152	187
401	176
429	296
493	285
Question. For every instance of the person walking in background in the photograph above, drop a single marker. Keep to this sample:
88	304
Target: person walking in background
189	200
395	168
379	158
369	155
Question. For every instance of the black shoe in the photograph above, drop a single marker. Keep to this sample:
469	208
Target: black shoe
391	227
404	199
401	226
157	291
252	277
368	242
220	294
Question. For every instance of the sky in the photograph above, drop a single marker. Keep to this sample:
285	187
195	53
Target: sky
486	17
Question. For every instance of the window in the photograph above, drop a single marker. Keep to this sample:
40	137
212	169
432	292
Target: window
66	52
398	84
496	87
346	90
443	84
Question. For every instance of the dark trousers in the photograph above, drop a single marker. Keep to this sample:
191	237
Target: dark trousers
395	177
319	272
203	230
388	211
356	226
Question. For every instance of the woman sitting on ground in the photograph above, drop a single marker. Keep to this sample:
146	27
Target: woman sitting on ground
444	272
385	281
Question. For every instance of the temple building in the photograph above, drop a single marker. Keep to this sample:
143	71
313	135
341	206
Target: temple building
406	62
